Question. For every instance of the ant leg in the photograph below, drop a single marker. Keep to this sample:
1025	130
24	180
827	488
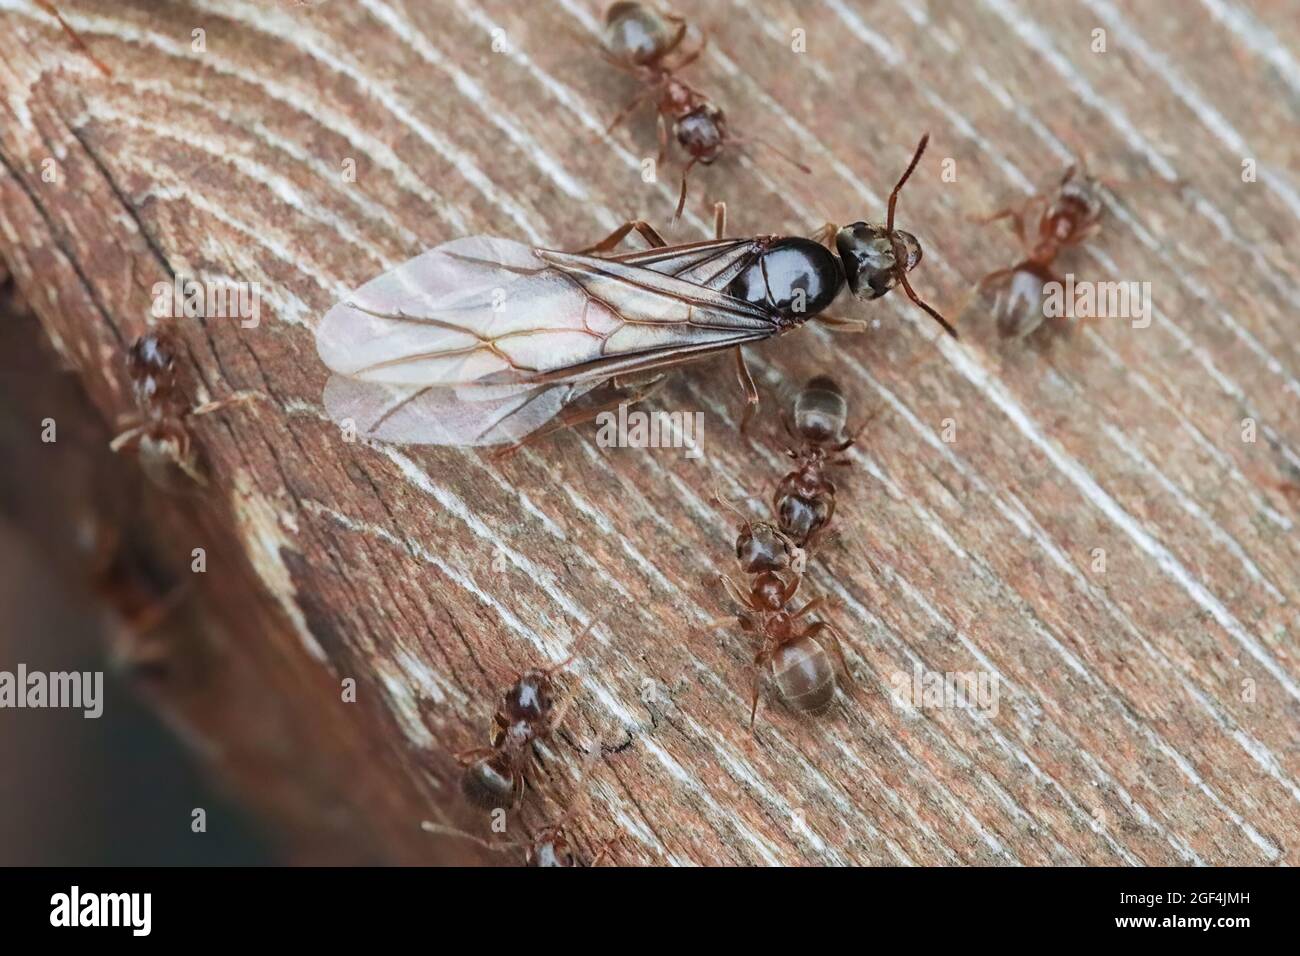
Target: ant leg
993	277
825	236
678	21
149	618
1014	213
131	436
757	687
687	58
573	649
604	850
578	416
236	398
718	623
661	125
681	196
428	826
719	219
835	324
611	242
736	591
185	459
750	389
467	757
74	37
755	141
808	608
631	107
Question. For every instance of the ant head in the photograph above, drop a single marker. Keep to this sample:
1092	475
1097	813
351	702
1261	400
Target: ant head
877	258
531	697
551	848
874	259
702	132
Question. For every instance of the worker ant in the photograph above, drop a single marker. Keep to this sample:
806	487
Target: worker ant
161	439
641	41
775	556
528	713
1046	227
790	652
804	500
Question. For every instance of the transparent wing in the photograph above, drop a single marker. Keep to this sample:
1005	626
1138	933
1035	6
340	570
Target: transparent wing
470	342
428	415
492	311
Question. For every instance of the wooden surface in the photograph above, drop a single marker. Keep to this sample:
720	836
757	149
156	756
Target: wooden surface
1147	714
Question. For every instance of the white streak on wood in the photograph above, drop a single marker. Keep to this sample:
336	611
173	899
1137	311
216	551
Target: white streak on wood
291	32
1261	41
293	99
245	166
1210	118
1192	508
1103	502
470	91
1036	38
1019	516
1257	500
273	140
261	528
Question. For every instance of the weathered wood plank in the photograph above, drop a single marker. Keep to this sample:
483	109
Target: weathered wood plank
1148	713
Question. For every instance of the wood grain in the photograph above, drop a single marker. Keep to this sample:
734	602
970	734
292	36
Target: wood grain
1147	713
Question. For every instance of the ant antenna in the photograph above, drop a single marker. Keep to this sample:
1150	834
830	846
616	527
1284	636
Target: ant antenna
574	648
428	826
893	196
900	252
681	197
729	504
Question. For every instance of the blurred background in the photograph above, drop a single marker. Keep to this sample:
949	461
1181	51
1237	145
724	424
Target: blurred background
135	782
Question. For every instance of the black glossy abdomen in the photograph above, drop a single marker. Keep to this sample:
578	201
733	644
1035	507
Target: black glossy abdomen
796	278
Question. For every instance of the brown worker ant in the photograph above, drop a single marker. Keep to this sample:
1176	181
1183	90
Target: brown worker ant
789	650
791	654
528	713
1046	226
641	41
160	439
804	501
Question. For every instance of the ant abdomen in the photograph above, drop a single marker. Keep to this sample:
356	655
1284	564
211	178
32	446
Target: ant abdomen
1018	306
804	676
635	33
490	782
820	411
